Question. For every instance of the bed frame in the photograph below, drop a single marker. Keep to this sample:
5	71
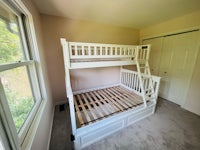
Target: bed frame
98	112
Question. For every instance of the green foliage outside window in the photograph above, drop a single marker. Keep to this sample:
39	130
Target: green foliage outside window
19	106
10	49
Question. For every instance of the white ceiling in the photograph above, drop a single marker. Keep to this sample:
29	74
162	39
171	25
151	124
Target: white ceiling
127	13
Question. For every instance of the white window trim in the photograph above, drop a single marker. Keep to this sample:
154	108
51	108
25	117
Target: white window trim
28	141
7	121
33	42
3	143
10	128
31	132
14	65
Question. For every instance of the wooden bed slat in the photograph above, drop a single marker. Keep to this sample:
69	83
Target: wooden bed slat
125	93
134	96
111	100
116	99
123	98
89	106
96	105
100	105
83	109
78	112
111	106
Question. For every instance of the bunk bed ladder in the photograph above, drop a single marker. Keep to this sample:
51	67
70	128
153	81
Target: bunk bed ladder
144	74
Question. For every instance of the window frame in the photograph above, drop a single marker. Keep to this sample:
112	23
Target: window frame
33	64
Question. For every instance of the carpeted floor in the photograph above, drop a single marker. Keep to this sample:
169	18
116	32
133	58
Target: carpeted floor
170	128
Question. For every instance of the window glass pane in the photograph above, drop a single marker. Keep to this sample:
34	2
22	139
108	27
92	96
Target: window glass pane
10	47
18	93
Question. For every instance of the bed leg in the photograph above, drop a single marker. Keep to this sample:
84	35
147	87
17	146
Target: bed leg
72	137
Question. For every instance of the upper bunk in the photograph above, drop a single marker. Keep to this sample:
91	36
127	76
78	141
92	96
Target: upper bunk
90	55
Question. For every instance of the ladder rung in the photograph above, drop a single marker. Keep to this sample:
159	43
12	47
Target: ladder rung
149	98
146	77
144	67
150	89
142	62
148	94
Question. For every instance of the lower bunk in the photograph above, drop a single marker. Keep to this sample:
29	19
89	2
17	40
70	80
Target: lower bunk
102	111
96	105
86	135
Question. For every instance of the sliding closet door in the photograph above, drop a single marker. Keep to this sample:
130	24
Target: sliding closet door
164	67
155	54
177	63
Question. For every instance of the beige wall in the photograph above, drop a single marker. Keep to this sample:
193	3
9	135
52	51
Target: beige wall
41	139
56	27
172	26
92	78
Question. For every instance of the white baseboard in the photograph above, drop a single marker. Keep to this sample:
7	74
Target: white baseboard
61	102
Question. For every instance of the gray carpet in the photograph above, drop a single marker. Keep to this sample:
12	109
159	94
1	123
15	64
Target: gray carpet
170	128
61	131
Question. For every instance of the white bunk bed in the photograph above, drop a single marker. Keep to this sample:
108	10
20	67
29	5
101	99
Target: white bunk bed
98	112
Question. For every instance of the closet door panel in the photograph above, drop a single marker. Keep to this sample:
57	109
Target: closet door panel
165	65
155	54
176	67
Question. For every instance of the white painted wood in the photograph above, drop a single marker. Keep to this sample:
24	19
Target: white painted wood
79	65
71	102
104	48
66	52
6	118
5	67
99	130
101	133
140	115
4	141
93	55
27	143
155	55
94	89
133	75
141	85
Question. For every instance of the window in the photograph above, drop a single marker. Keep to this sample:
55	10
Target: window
18	73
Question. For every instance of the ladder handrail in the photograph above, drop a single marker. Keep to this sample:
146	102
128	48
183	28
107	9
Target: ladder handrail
140	77
142	56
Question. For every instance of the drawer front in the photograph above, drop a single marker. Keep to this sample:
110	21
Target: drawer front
101	133
140	115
